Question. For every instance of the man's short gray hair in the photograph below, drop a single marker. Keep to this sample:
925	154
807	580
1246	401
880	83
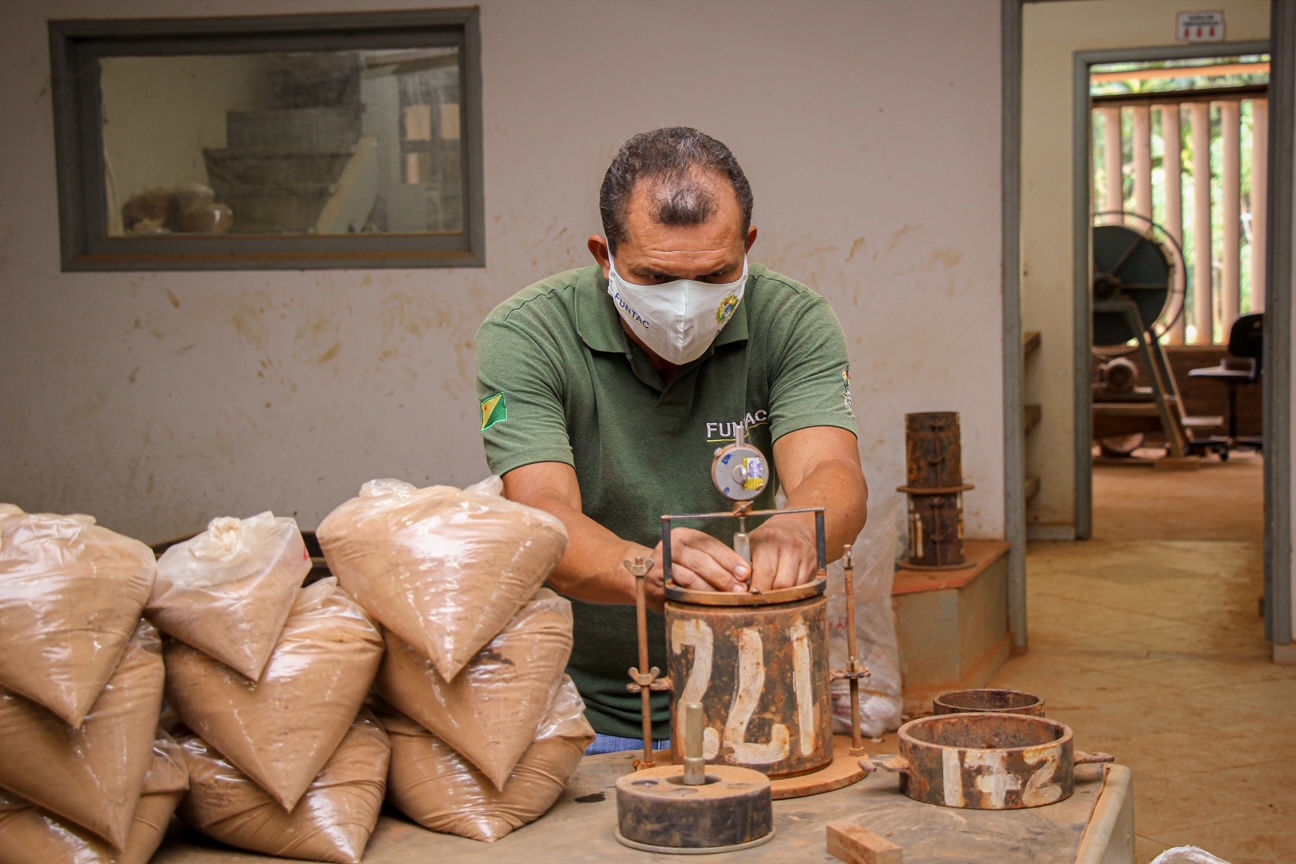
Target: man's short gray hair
676	161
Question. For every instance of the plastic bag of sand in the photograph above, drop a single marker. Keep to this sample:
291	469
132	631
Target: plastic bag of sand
71	593
443	569
492	709
91	776
333	820
227	591
439	789
281	729
34	836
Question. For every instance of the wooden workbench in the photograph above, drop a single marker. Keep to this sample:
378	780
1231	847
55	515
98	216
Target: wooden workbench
1094	826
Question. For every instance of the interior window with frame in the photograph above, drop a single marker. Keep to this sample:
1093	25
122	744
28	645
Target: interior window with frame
295	142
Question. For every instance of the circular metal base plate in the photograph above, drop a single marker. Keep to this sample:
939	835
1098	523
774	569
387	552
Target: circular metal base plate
962	565
693	850
843	770
731	808
743	598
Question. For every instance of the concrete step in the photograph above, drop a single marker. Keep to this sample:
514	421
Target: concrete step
294	130
232	168
284	210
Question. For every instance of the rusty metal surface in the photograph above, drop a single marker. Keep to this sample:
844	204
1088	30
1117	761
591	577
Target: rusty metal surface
644	678
1011	701
936	530
986	761
935	488
761	675
656	809
807	591
934	450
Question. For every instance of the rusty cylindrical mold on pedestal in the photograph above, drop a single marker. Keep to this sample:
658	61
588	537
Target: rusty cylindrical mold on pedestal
971	701
935	488
758	664
935	531
935	450
987	761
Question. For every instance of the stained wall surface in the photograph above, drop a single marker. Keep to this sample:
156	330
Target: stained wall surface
156	401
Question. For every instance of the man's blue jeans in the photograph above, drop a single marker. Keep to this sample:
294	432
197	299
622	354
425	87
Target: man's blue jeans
613	744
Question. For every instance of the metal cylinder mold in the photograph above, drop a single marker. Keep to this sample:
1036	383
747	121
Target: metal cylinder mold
969	701
758	664
935	488
935	449
658	812
987	761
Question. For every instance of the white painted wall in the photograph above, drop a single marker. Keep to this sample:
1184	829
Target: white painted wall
870	131
1052	33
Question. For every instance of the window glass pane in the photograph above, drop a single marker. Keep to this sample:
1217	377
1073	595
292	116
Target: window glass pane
310	142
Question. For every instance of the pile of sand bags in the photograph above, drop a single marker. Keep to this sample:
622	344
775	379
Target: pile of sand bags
270	679
435	614
485	727
81	684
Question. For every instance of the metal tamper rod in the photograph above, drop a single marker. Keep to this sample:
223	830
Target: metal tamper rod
694	761
644	682
854	670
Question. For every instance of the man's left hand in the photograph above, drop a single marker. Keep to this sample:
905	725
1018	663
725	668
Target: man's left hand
784	553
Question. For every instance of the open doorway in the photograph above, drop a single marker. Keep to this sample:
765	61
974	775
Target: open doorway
1170	252
1179	175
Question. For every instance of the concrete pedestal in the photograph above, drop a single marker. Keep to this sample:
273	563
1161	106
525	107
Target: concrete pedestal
952	625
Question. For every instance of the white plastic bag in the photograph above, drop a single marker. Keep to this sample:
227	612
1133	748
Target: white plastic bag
873	560
333	821
228	591
441	790
71	593
282	730
1187	855
442	568
491	711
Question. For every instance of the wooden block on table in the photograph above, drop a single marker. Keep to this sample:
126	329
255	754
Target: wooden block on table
856	845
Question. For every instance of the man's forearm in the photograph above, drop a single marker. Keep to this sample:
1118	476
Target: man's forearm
593	568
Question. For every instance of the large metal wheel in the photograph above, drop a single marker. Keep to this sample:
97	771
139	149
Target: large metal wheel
1136	259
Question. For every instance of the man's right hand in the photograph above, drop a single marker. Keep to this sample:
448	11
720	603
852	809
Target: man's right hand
593	569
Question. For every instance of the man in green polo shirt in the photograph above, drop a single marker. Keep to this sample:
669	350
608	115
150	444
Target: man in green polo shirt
607	390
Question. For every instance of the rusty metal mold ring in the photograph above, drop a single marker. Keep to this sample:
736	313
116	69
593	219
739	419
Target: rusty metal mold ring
746	598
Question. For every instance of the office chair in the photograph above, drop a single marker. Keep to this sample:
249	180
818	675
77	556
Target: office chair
1241	367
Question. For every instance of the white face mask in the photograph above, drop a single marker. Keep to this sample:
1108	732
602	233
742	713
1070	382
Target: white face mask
677	319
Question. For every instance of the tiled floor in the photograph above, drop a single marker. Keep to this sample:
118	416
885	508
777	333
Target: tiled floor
1147	640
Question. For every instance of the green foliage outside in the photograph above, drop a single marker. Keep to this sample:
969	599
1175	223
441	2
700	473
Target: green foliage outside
1188	178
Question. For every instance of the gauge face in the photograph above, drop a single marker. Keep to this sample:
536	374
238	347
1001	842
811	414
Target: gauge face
739	472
